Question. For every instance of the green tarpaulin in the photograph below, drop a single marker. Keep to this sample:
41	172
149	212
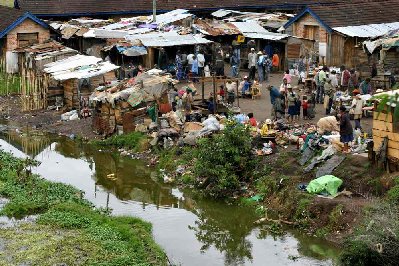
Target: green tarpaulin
327	183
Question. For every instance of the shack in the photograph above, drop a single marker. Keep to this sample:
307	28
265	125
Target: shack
18	29
37	92
122	105
340	29
78	76
384	52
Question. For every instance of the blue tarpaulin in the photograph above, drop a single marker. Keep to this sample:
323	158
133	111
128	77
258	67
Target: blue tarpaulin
132	50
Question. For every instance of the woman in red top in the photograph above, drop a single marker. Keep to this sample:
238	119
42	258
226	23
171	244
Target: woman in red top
252	120
222	93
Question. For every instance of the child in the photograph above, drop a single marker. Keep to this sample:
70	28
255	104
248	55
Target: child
305	107
252	120
211	105
222	93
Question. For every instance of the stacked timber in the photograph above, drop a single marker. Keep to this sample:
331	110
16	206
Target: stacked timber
384	125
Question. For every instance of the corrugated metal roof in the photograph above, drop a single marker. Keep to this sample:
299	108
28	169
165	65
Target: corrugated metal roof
223	12
166	39
251	29
71	62
367	31
78	67
114	34
266	36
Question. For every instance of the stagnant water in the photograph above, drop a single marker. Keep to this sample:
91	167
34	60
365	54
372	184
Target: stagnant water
191	231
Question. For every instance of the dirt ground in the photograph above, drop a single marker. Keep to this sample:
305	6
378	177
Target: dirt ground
262	107
10	110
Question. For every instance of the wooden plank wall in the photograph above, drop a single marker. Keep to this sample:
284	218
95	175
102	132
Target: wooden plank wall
337	57
71	89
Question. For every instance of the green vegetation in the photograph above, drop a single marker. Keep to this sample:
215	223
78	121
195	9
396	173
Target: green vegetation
224	160
393	193
68	230
9	84
132	141
376	240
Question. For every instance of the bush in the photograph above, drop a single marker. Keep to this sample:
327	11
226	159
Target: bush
225	160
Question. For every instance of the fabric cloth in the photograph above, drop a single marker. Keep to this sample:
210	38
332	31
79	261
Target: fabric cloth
288	78
325	184
346	138
194	66
252	122
276	60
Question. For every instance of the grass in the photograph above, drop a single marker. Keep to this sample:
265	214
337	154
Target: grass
69	230
9	84
9	3
133	141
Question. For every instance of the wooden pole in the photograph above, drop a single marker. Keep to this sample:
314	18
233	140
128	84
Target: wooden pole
203	88
214	92
238	98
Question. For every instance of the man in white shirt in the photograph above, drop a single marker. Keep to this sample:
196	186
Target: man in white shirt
190	60
252	61
201	63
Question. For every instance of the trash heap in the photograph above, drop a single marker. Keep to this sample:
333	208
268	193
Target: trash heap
121	106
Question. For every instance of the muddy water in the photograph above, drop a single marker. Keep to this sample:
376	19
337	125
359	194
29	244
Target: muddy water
191	231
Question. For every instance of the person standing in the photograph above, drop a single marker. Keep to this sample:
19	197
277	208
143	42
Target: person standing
267	67
275	62
201	63
357	105
162	59
234	65
305	107
219	63
329	92
190	59
345	76
320	88
345	129
252	60
292	99
334	79
365	86
353	81
195	68
287	76
260	64
274	94
179	66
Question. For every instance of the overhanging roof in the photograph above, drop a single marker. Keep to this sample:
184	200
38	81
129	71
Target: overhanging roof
167	39
19	20
367	31
252	29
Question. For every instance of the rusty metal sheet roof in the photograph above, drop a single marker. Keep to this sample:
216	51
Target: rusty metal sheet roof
215	27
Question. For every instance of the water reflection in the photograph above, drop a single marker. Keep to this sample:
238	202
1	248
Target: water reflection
192	231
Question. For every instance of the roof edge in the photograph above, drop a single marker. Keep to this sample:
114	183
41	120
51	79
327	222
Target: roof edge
309	11
21	19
